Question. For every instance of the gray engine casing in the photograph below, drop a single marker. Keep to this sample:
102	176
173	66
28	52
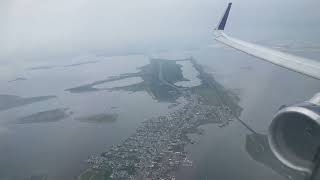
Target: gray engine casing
294	135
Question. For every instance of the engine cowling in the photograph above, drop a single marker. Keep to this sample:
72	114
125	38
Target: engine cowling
294	135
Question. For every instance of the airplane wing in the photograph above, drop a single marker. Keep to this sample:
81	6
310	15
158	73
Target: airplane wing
298	64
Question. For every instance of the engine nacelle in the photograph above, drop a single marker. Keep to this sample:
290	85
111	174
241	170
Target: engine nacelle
294	135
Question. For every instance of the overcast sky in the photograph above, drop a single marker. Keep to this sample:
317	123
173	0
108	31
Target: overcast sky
30	27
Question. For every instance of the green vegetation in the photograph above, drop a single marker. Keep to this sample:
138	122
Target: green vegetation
95	174
172	71
151	74
214	93
217	95
11	101
210	97
100	118
90	87
45	116
159	77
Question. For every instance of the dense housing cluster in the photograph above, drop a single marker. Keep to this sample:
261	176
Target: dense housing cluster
157	148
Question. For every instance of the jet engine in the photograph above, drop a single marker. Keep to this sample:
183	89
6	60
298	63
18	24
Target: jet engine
294	135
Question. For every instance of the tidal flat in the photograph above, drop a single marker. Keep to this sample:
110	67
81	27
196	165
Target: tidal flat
156	149
12	101
45	116
99	118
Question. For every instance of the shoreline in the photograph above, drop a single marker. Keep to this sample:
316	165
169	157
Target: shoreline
157	149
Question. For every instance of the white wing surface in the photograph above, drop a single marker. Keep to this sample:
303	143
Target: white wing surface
299	64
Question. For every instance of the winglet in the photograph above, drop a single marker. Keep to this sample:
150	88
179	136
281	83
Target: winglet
224	18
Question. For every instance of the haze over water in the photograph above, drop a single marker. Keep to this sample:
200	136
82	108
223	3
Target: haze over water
48	47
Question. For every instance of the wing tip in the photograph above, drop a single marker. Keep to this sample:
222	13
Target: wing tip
224	18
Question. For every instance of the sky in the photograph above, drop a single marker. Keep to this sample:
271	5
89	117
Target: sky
48	27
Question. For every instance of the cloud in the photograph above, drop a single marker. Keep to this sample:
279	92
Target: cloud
53	26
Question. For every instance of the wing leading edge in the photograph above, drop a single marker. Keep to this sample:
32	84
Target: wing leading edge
298	64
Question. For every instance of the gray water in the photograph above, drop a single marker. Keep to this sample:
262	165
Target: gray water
59	149
226	153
